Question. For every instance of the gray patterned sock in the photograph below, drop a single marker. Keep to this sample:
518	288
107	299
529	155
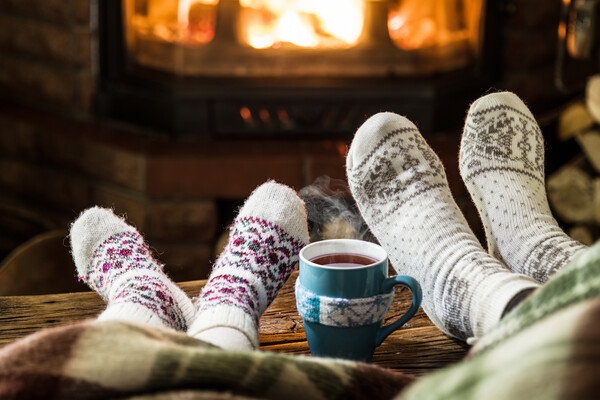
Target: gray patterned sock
502	164
401	190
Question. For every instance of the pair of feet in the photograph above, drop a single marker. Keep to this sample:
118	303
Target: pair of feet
266	237
401	189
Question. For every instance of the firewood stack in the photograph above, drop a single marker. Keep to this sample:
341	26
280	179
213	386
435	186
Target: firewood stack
574	189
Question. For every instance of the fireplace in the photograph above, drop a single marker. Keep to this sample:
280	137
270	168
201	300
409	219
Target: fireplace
259	68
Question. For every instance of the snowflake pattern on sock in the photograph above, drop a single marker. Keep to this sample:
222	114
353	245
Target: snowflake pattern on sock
502	134
381	184
257	248
122	270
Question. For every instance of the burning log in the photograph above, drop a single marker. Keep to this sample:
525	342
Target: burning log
574	190
571	194
573	120
592	97
590	144
585	234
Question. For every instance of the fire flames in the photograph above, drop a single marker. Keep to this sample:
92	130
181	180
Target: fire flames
303	23
185	7
263	23
426	23
177	21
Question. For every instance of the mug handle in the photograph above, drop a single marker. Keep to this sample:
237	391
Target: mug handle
417	296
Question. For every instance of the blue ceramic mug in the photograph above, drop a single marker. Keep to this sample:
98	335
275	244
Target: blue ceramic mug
343	299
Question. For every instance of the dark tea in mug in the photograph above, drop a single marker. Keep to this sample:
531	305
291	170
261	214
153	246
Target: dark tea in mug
343	260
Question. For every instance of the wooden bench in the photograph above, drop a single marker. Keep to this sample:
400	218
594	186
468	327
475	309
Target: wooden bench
418	348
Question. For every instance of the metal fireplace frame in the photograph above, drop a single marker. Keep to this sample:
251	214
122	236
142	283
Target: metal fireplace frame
314	107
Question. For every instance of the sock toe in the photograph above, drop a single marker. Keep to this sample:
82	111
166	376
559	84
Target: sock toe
373	131
499	99
89	230
275	202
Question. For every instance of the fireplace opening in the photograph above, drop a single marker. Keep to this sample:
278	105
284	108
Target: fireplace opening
274	38
289	68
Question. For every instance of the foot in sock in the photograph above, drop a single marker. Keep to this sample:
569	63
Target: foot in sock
112	258
502	164
401	190
262	252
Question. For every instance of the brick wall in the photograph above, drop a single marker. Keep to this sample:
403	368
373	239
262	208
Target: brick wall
56	159
46	52
52	167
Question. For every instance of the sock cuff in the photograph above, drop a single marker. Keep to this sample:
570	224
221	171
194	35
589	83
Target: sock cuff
131	312
279	204
491	296
225	316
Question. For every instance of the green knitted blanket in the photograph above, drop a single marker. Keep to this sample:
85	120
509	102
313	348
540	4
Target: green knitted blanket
546	348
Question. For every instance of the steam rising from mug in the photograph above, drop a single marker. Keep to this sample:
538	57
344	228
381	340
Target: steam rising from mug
332	213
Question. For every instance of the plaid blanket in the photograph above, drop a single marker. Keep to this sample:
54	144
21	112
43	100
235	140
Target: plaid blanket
546	348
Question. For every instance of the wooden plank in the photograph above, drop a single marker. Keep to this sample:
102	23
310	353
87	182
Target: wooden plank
23	315
419	347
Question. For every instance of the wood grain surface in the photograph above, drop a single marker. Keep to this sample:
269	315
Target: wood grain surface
417	348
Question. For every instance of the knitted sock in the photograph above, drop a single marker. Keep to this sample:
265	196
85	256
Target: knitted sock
502	164
112	258
401	190
262	252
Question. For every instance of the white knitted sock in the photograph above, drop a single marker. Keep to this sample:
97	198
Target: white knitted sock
262	252
112	258
400	187
502	164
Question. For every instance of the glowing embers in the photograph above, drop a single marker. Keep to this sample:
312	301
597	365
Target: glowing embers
265	116
303	23
327	24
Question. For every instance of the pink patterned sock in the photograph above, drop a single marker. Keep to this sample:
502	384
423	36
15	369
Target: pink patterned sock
262	252
112	258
